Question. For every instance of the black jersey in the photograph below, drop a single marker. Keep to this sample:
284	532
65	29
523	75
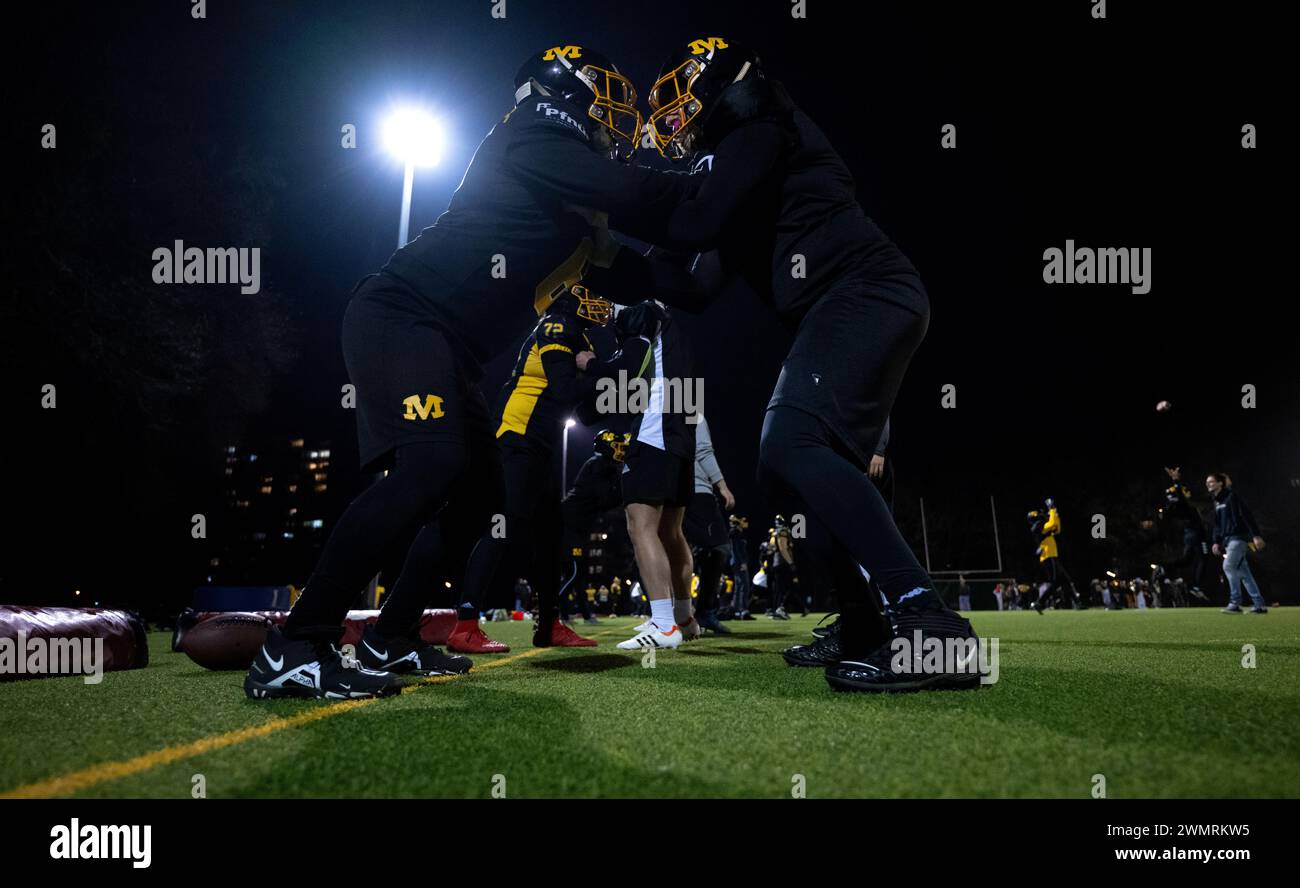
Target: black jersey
509	242
780	207
651	378
544	387
1178	505
595	490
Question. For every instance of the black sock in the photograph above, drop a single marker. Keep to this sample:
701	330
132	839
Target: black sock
862	629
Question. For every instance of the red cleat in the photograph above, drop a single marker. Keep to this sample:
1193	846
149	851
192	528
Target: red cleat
563	637
468	638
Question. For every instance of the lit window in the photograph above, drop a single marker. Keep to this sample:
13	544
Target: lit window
230	471
264	489
296	442
320	488
288	534
242	504
252	457
314	522
293	488
314	454
311	467
230	449
321	476
324	453
293	511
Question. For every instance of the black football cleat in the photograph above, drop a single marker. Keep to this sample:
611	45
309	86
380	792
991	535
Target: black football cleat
820	631
287	667
709	620
823	652
407	656
878	672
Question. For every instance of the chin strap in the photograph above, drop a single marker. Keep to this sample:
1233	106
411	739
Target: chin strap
528	89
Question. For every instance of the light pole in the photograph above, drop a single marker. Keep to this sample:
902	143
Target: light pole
564	458
415	138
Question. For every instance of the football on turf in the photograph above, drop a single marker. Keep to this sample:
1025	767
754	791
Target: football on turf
225	641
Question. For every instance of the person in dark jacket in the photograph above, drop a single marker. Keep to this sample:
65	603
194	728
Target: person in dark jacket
519	232
1235	532
778	206
595	490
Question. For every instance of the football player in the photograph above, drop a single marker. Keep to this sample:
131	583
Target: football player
658	470
595	490
1196	547
779	206
415	336
1046	526
706	529
541	393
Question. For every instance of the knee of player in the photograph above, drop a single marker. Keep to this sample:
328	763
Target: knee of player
776	452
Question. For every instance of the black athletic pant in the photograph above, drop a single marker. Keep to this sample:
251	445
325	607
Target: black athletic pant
779	580
1192	558
1060	584
433	487
528	542
798	449
831	566
706	531
710	564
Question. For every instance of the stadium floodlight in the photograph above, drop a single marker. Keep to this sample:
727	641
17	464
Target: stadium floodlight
570	422
414	137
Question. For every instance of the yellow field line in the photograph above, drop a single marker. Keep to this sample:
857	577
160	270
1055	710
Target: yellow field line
76	781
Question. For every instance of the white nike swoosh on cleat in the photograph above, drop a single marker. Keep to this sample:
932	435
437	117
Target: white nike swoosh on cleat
382	656
277	665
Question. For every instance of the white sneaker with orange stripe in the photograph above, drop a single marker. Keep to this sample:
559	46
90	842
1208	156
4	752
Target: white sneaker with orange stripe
653	637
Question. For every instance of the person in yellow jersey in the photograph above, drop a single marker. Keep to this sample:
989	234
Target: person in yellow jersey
542	391
1046	525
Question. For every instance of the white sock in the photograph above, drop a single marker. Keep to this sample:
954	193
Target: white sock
661	613
682	611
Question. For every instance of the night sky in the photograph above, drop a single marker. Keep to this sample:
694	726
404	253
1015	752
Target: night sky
226	132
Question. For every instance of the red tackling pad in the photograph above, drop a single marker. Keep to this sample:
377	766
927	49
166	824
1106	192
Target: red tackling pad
125	642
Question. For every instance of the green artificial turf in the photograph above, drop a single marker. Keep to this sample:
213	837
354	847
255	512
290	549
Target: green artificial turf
1156	701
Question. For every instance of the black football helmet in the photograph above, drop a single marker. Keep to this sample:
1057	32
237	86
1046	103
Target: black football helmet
688	87
588	78
595	310
611	444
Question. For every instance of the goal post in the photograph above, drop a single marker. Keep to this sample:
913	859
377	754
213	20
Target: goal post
984	572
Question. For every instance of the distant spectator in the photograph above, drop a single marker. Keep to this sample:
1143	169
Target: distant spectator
1234	532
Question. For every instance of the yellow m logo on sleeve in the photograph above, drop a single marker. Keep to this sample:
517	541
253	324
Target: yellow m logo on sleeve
562	52
707	44
429	408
